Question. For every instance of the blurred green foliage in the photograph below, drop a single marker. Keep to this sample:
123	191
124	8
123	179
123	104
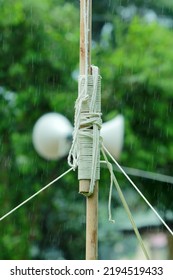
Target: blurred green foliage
38	54
38	58
139	83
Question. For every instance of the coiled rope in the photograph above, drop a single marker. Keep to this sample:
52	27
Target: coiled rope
85	149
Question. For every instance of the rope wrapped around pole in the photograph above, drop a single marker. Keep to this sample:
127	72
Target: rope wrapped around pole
85	150
86	186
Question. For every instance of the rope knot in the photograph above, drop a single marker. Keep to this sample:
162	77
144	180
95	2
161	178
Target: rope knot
85	149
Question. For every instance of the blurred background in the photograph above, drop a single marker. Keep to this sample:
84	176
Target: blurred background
39	62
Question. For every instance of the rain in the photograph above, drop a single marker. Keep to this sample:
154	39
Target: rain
40	68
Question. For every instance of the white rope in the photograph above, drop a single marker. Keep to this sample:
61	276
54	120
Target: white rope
147	174
110	190
125	205
85	149
34	195
139	192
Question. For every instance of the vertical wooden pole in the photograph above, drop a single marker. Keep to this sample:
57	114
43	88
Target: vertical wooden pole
92	201
92	225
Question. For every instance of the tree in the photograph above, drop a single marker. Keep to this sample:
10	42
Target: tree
36	66
39	54
138	83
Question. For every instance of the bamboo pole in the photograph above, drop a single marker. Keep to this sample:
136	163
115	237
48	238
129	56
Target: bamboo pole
92	201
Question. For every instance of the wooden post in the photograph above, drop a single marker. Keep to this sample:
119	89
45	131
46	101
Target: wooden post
92	201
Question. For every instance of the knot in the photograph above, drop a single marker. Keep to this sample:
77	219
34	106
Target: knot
85	149
88	120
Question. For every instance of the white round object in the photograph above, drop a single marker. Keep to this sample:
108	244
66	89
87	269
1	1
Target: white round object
51	135
112	133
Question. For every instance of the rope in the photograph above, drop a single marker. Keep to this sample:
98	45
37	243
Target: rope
31	197
124	203
147	174
139	192
110	190
85	149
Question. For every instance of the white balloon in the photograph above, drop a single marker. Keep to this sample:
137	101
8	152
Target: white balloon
112	133
51	136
